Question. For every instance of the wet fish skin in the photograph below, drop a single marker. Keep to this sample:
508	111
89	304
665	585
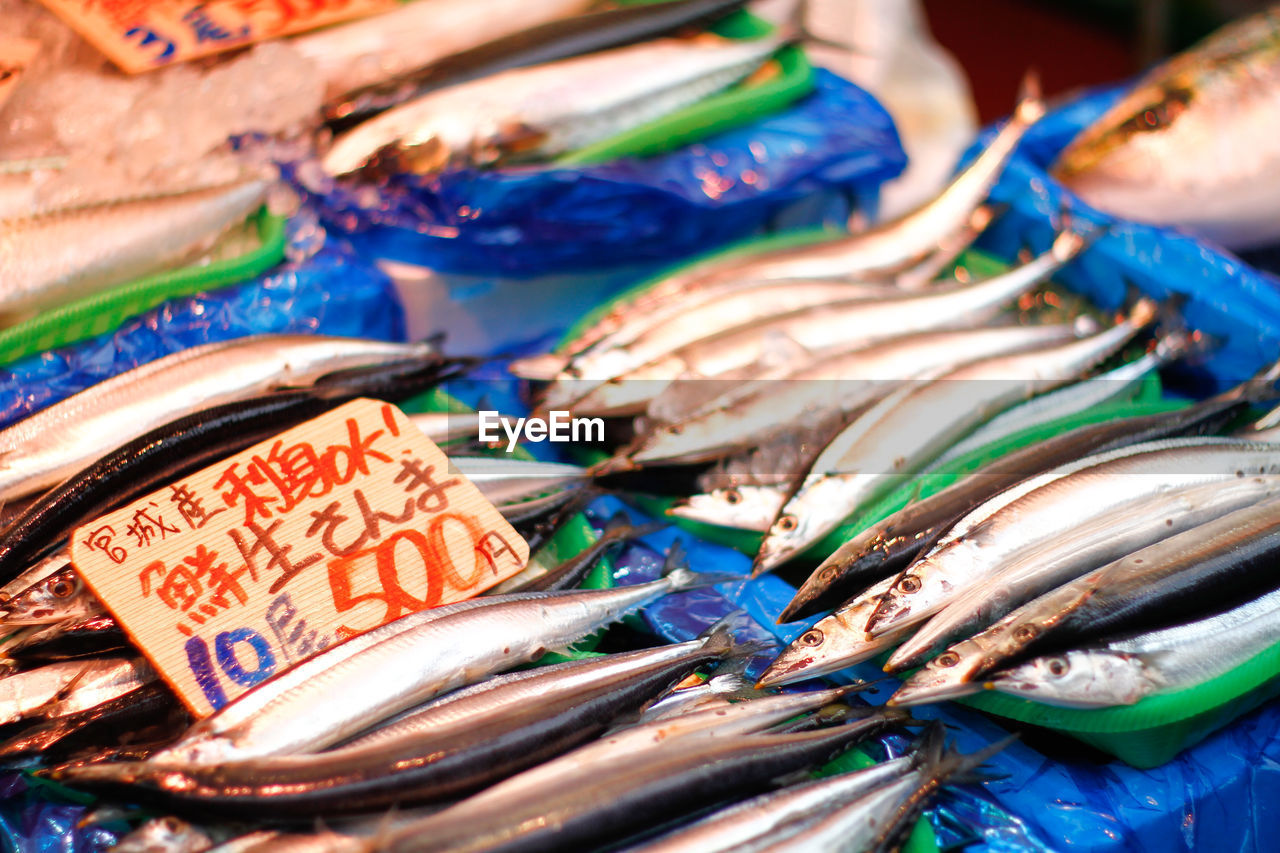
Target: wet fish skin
765	816
792	338
878	252
1128	669
746	507
149	706
46	447
595	26
1213	567
890	545
191	442
413	665
165	835
54	258
882	820
432	759
1062	559
835	642
547	109
1054	503
72	685
835	385
522	489
57	598
626	795
911	427
373	50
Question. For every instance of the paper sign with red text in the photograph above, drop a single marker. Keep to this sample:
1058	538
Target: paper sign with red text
139	35
327	530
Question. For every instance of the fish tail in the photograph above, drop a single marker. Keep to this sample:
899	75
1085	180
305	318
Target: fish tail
794	29
1030	107
963	768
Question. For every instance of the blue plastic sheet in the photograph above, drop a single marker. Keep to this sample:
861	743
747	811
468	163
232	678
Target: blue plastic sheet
330	292
1220	294
522	222
31	822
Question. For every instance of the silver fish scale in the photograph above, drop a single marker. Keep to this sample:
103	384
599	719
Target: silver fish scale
67	255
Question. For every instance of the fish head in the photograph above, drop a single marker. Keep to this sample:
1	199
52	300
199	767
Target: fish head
922	589
833	643
746	507
1077	679
52	599
814	511
948	676
818	586
164	833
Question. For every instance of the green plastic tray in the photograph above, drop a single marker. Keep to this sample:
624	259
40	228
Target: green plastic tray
736	106
105	311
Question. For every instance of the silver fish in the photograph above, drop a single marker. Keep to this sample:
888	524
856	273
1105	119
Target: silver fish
1127	670
1113	483
836	641
1089	545
69	686
706	313
383	47
45	448
914	425
52	259
550	109
800	334
884	250
745	507
165	835
409	667
1112	386
767	816
521	489
838	384
59	597
448	427
1161	583
1193	143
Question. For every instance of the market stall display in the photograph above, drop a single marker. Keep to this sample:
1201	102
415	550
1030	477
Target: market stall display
1008	448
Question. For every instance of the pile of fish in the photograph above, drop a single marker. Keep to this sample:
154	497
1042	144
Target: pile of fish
814	384
496	83
424	733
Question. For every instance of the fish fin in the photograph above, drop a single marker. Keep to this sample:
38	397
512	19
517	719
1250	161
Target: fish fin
1030	108
675	557
683	578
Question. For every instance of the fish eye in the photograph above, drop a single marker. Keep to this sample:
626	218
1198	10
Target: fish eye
828	574
1025	633
1058	667
812	637
787	523
947	659
61	588
733	496
909	584
675	429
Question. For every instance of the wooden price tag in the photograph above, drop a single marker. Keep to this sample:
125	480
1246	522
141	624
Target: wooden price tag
139	35
15	56
330	529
